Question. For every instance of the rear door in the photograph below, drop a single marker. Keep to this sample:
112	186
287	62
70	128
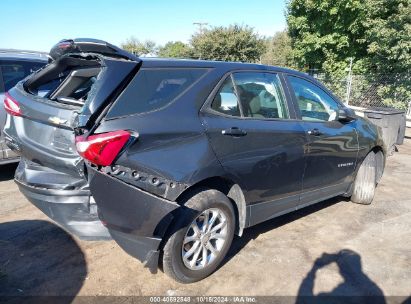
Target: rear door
258	141
333	145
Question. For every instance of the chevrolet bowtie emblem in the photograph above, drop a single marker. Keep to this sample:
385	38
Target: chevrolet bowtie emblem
57	120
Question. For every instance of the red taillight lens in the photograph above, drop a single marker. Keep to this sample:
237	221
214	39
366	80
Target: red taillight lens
102	149
11	105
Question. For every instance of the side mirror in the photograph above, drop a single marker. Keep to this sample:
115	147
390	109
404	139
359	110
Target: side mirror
345	115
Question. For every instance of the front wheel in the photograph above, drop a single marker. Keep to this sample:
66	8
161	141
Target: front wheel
203	234
365	181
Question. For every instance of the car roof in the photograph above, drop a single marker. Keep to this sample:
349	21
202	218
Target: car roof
225	65
22	55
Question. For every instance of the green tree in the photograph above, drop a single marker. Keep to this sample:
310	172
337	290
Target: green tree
326	33
175	49
375	34
137	47
278	50
388	35
232	43
389	48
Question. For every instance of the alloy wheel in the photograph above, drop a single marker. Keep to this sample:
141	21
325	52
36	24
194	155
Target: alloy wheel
204	239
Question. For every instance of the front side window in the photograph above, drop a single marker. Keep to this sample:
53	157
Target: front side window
314	103
14	71
152	89
261	95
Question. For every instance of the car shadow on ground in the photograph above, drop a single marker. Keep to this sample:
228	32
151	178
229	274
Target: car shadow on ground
253	232
37	258
7	172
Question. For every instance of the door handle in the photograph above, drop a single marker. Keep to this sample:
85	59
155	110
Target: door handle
314	132
234	131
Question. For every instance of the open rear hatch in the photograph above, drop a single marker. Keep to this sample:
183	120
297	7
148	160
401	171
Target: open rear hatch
84	77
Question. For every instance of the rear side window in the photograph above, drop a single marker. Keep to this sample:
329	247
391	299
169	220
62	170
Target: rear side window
152	89
13	71
261	95
255	95
226	100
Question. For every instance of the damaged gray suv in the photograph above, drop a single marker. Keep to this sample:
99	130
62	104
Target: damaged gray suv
172	158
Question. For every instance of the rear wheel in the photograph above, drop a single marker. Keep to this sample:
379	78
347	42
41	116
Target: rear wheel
365	181
201	237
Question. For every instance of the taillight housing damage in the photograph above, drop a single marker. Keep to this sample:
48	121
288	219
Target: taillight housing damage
11	105
102	149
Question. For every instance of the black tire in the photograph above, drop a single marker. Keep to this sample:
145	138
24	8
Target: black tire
365	181
172	261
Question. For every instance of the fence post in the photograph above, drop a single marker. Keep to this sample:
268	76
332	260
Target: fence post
349	81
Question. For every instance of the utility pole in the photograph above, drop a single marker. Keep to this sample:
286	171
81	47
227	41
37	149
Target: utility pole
349	82
201	26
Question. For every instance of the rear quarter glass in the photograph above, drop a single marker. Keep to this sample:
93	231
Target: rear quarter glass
152	89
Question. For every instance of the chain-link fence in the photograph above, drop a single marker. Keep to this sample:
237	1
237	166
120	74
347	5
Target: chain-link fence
384	90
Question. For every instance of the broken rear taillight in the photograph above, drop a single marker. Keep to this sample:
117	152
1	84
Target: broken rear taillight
11	105
102	149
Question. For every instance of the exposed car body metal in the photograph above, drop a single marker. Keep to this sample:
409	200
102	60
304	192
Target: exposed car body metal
148	217
277	166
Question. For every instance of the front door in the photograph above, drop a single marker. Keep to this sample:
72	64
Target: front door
258	142
332	144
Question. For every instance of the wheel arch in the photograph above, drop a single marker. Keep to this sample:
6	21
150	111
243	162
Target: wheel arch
380	158
231	189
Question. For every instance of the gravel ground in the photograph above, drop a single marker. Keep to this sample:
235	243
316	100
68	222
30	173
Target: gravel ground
334	247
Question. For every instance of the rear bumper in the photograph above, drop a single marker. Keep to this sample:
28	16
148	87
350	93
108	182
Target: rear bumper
136	219
144	249
72	209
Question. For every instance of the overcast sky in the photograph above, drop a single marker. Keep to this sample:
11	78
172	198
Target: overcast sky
39	24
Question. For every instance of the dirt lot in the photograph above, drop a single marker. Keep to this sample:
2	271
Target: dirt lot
334	247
